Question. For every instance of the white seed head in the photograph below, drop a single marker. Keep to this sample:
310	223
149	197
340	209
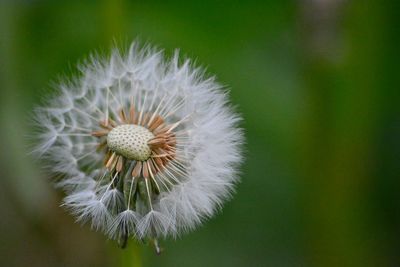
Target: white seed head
130	141
147	147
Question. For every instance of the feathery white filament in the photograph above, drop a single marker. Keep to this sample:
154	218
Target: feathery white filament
148	147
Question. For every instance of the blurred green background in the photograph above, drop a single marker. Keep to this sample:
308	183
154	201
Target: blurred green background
317	82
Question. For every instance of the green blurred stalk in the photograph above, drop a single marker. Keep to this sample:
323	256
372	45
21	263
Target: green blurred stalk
114	16
337	131
128	257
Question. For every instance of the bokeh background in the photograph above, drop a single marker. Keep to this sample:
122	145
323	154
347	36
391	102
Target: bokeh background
317	82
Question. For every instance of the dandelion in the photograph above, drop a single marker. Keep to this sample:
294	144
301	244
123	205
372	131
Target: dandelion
144	147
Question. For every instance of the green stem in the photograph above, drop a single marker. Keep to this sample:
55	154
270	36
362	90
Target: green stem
127	257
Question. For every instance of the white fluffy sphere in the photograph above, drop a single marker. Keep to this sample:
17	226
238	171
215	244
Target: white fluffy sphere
147	147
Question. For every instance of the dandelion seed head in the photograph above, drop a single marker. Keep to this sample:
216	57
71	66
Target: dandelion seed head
147	147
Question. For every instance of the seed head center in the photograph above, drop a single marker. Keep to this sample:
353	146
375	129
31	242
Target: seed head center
130	141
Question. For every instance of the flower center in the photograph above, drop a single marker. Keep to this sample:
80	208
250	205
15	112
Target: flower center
130	141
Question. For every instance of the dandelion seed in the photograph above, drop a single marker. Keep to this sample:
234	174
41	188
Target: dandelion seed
148	148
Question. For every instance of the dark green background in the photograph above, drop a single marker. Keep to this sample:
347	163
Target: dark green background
317	83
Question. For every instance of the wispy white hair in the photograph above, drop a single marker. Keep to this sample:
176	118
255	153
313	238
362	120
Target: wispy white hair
210	148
